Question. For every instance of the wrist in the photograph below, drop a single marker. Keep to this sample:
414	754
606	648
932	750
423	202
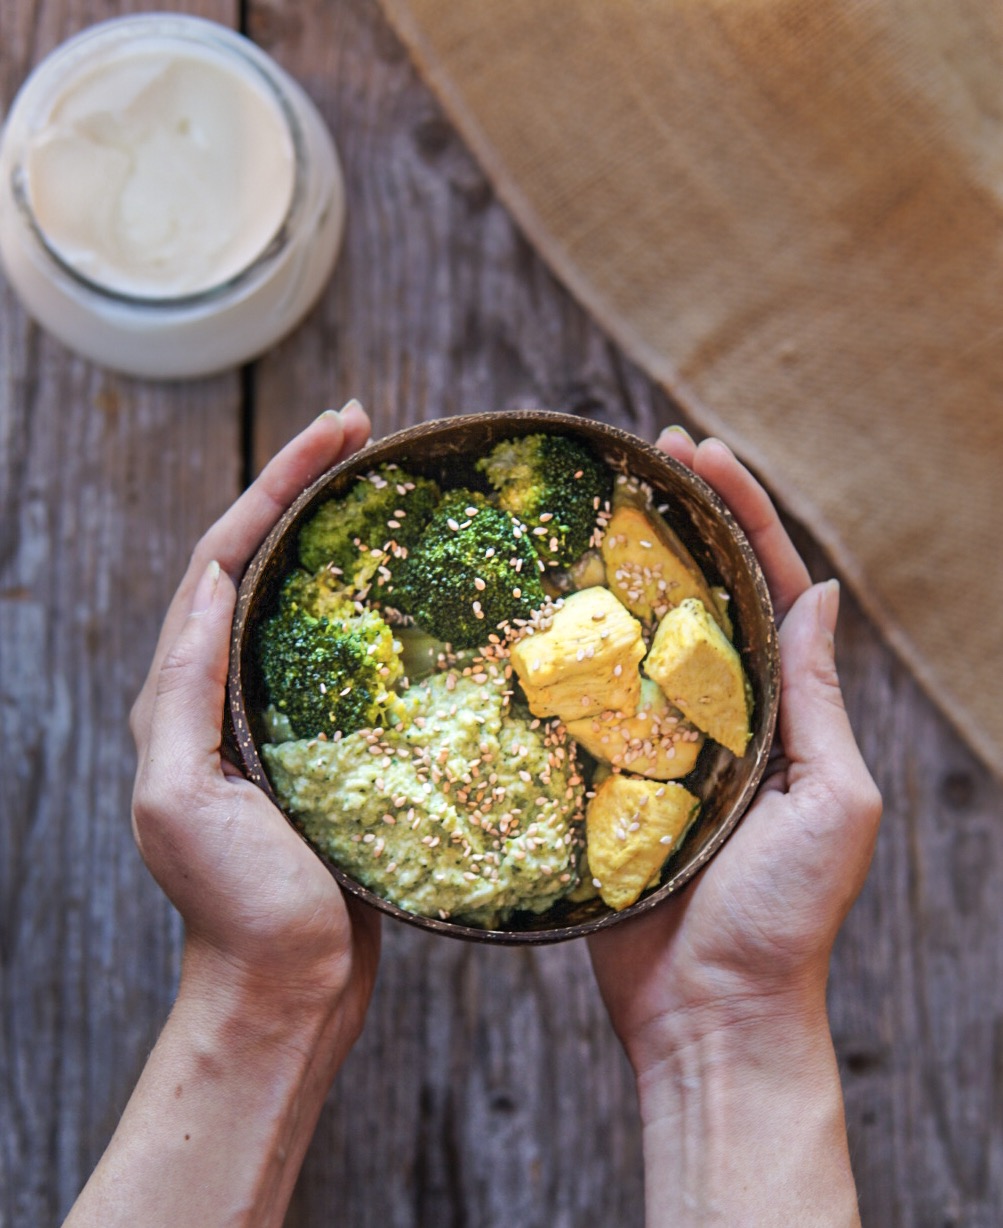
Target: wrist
662	1019
254	1014
217	1127
743	1123
720	1050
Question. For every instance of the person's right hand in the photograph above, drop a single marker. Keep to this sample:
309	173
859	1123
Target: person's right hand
263	917
278	965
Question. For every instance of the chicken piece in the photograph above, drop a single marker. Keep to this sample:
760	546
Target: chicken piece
631	826
657	741
700	672
585	662
647	565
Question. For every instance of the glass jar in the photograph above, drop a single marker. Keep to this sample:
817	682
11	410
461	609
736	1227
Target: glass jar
171	202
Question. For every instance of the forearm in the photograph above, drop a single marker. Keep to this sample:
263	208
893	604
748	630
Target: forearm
217	1127
746	1127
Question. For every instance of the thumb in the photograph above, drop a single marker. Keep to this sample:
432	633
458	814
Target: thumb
186	722
824	760
814	724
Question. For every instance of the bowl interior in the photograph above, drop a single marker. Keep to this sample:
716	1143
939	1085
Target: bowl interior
443	450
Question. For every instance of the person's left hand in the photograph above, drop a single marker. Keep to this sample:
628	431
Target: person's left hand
752	934
262	914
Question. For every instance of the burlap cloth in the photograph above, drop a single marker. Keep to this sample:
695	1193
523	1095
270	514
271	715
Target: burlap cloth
790	212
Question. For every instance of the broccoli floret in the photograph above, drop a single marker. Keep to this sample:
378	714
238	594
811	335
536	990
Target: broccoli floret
322	594
472	569
353	534
326	666
555	486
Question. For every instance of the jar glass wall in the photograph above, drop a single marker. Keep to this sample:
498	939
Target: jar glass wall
171	202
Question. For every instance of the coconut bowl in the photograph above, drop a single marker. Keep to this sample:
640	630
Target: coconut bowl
441	449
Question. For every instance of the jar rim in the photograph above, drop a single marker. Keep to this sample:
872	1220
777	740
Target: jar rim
131	31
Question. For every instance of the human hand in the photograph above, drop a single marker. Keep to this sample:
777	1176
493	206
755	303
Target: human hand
278	967
754	931
263	917
718	995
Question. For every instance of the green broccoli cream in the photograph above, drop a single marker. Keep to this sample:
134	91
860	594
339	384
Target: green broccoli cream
465	811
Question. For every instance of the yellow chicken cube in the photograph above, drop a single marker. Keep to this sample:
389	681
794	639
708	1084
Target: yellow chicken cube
700	672
647	566
657	741
585	662
631	826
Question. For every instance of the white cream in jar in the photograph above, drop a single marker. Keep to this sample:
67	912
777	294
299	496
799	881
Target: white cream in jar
170	200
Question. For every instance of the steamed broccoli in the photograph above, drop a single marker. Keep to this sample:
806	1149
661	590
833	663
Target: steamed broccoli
351	533
326	666
555	486
322	594
472	569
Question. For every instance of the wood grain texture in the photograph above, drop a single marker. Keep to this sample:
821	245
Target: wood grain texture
105	483
487	1089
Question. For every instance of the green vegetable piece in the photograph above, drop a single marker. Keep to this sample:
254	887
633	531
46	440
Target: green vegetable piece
471	570
555	486
328	668
385	506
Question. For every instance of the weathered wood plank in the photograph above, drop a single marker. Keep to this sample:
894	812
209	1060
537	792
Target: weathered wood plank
487	1088
106	483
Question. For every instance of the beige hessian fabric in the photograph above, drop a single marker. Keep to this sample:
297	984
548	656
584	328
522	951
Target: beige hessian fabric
790	212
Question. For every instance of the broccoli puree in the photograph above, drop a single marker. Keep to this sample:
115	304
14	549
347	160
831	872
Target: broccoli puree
471	811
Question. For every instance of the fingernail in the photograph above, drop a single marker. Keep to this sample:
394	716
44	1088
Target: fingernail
354	403
205	590
678	430
828	606
340	413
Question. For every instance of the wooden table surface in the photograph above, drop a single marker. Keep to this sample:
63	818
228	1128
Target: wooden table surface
488	1088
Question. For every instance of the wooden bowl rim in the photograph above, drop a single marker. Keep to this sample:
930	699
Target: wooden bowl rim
502	424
